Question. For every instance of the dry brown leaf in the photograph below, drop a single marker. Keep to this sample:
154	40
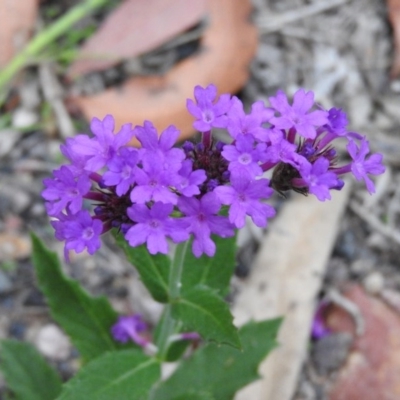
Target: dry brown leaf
372	369
394	17
228	45
17	22
135	27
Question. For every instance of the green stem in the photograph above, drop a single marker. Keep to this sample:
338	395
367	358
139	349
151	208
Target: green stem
45	37
175	275
168	324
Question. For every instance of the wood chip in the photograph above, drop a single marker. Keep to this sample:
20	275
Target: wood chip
285	281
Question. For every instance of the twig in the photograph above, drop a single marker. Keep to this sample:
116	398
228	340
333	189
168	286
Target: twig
337	298
374	222
53	93
275	22
394	206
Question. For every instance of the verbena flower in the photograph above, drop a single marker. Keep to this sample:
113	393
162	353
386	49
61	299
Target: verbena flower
297	116
163	192
153	225
201	216
208	112
245	198
64	191
130	328
319	328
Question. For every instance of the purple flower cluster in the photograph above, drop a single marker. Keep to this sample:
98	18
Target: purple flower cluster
160	192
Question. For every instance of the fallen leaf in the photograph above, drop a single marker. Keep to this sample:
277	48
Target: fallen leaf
393	7
372	369
133	28
228	45
17	23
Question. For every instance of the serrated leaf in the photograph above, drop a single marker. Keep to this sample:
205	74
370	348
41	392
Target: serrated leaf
125	374
27	373
203	311
222	371
214	272
153	269
87	320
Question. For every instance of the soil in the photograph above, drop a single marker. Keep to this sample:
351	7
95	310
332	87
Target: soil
342	53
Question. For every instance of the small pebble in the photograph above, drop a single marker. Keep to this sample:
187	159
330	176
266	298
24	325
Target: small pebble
374	283
35	298
5	283
52	342
23	118
330	352
395	86
14	247
17	330
347	246
38	210
361	267
377	241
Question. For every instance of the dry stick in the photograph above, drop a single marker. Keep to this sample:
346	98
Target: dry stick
337	298
277	21
285	281
374	222
394	205
53	93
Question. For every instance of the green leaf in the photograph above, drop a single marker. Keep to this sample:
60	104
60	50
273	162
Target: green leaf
176	350
203	311
214	272
27	373
86	320
192	395
153	269
222	371
125	374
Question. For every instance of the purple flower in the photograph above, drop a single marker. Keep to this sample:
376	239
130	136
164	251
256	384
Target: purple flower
190	180
244	199
319	328
129	328
78	160
159	147
240	123
79	231
153	184
296	116
153	225
202	219
281	151
121	170
362	166
208	113
318	178
284	152
102	148
337	121
68	191
244	156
